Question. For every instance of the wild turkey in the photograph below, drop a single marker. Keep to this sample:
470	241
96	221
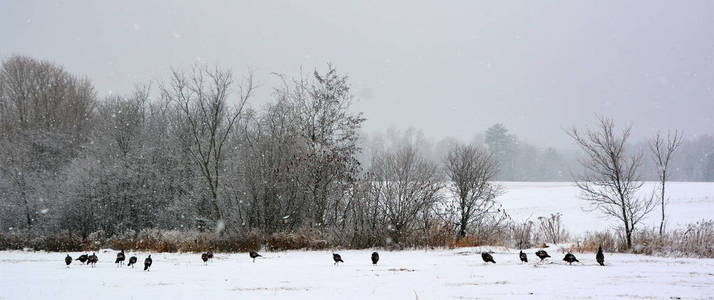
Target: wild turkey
147	263
523	256
570	258
93	259
68	260
542	254
120	258
337	258
204	258
487	258
375	258
254	254
132	261
83	258
599	256
210	255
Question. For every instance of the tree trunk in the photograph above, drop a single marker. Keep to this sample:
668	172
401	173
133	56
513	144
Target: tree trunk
462	228
628	230
214	203
462	233
27	214
661	223
27	208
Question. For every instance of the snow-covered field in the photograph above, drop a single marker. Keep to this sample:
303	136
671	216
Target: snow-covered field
433	274
689	202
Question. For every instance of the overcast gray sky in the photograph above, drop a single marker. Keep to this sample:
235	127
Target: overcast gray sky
450	68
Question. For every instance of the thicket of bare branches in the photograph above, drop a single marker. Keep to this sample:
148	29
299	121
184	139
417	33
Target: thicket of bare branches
523	234
45	118
207	119
552	229
470	171
405	186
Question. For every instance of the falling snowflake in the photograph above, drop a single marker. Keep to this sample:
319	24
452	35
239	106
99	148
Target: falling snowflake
220	225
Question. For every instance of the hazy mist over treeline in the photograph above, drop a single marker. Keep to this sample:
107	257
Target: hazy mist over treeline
523	161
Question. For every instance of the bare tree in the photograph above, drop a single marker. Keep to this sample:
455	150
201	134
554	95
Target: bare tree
202	97
611	180
405	184
662	149
324	164
470	170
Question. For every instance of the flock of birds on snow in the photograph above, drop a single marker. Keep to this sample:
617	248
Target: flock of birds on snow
207	256
93	259
569	257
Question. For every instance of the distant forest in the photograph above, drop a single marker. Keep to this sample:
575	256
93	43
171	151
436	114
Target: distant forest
522	161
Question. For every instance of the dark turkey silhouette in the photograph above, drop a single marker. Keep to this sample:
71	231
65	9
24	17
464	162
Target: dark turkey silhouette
337	258
210	255
132	261
204	258
487	258
523	257
254	254
120	258
68	260
83	258
570	258
599	256
375	258
542	254
93	259
147	263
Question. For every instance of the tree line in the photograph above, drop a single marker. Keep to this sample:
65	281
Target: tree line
191	153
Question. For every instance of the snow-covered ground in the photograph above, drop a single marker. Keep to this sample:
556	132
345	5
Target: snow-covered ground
689	202
432	274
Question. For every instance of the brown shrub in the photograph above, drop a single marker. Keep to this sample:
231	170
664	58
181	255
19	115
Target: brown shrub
12	241
123	241
606	239
435	236
65	241
236	242
288	241
694	240
318	244
467	241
